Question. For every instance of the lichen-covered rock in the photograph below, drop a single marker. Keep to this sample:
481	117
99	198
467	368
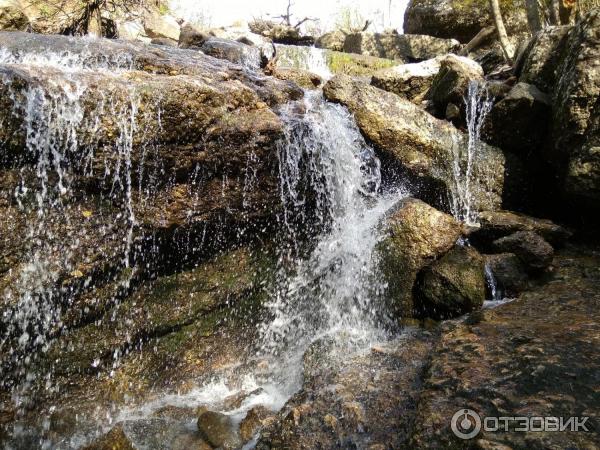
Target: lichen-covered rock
422	145
576	115
531	249
451	286
509	273
333	40
253	422
219	430
520	121
410	81
451	83
460	19
302	78
401	47
415	234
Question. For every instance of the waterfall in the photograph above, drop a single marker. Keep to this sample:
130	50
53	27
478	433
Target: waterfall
60	138
467	161
332	289
311	59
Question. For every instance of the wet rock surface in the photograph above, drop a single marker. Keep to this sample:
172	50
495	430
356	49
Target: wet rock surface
531	249
416	234
508	361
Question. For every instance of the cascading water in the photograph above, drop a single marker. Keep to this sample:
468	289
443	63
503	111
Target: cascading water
467	161
60	138
306	58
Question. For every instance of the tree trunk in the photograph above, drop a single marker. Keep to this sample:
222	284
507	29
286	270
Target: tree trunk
533	15
502	36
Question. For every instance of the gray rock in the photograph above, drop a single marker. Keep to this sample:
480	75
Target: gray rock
422	145
410	81
459	19
530	248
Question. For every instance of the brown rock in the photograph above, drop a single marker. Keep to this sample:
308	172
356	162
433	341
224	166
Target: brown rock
531	249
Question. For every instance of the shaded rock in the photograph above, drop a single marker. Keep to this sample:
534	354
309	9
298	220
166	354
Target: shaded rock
451	83
302	78
451	286
219	430
423	146
162	26
519	122
253	422
497	224
539	61
164	41
12	16
515	360
509	272
531	249
460	19
415	234
410	81
333	40
576	116
115	439
191	37
402	47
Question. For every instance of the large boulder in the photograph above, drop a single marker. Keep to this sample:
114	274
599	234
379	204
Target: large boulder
302	78
451	286
184	147
219	430
163	26
414	235
519	122
402	47
576	116
451	84
410	81
460	19
425	147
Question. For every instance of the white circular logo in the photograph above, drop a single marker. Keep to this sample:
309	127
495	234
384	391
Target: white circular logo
466	424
